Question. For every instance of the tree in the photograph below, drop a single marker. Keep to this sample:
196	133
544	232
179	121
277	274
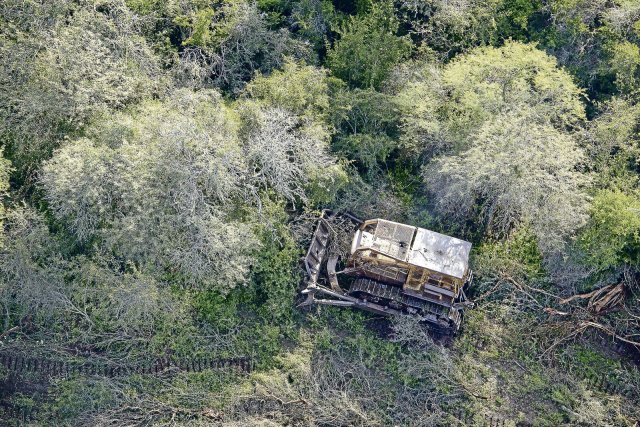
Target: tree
227	46
283	154
612	237
154	187
366	124
501	120
443	107
301	89
449	27
286	134
595	40
611	140
312	19
625	63
32	271
58	72
5	171
368	48
516	171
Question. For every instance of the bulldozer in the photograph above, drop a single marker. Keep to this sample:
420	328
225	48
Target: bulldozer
389	269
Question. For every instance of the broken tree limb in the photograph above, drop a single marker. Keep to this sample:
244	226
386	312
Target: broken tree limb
584	296
586	324
601	299
8	331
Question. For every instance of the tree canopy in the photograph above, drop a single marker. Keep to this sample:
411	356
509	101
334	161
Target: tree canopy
163	165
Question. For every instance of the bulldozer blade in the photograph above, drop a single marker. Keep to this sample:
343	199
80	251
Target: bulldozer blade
317	251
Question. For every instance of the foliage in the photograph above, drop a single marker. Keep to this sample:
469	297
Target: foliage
366	124
312	20
286	134
514	173
612	236
160	162
274	276
611	140
5	171
155	191
65	71
300	89
517	256
449	27
368	48
500	118
228	46
481	85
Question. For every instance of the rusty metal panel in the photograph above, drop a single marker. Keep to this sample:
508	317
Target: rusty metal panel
390	238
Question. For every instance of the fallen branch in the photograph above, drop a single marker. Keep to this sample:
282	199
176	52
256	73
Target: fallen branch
8	331
587	324
555	312
584	296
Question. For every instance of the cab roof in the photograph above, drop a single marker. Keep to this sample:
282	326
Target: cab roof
420	247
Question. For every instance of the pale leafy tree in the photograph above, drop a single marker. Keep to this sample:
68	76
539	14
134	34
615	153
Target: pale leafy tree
286	134
59	72
45	289
300	89
31	270
158	186
445	106
282	153
515	171
5	172
153	187
500	123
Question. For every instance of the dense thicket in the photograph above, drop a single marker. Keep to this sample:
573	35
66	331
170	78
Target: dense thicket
162	163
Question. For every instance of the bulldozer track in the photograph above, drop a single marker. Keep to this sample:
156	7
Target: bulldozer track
394	293
485	420
60	368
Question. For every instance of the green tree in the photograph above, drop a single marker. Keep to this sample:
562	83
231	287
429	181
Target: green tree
625	63
366	124
227	46
611	140
612	237
368	48
449	27
606	30
312	20
514	18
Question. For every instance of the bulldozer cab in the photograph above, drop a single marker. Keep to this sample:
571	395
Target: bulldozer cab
420	260
393	268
